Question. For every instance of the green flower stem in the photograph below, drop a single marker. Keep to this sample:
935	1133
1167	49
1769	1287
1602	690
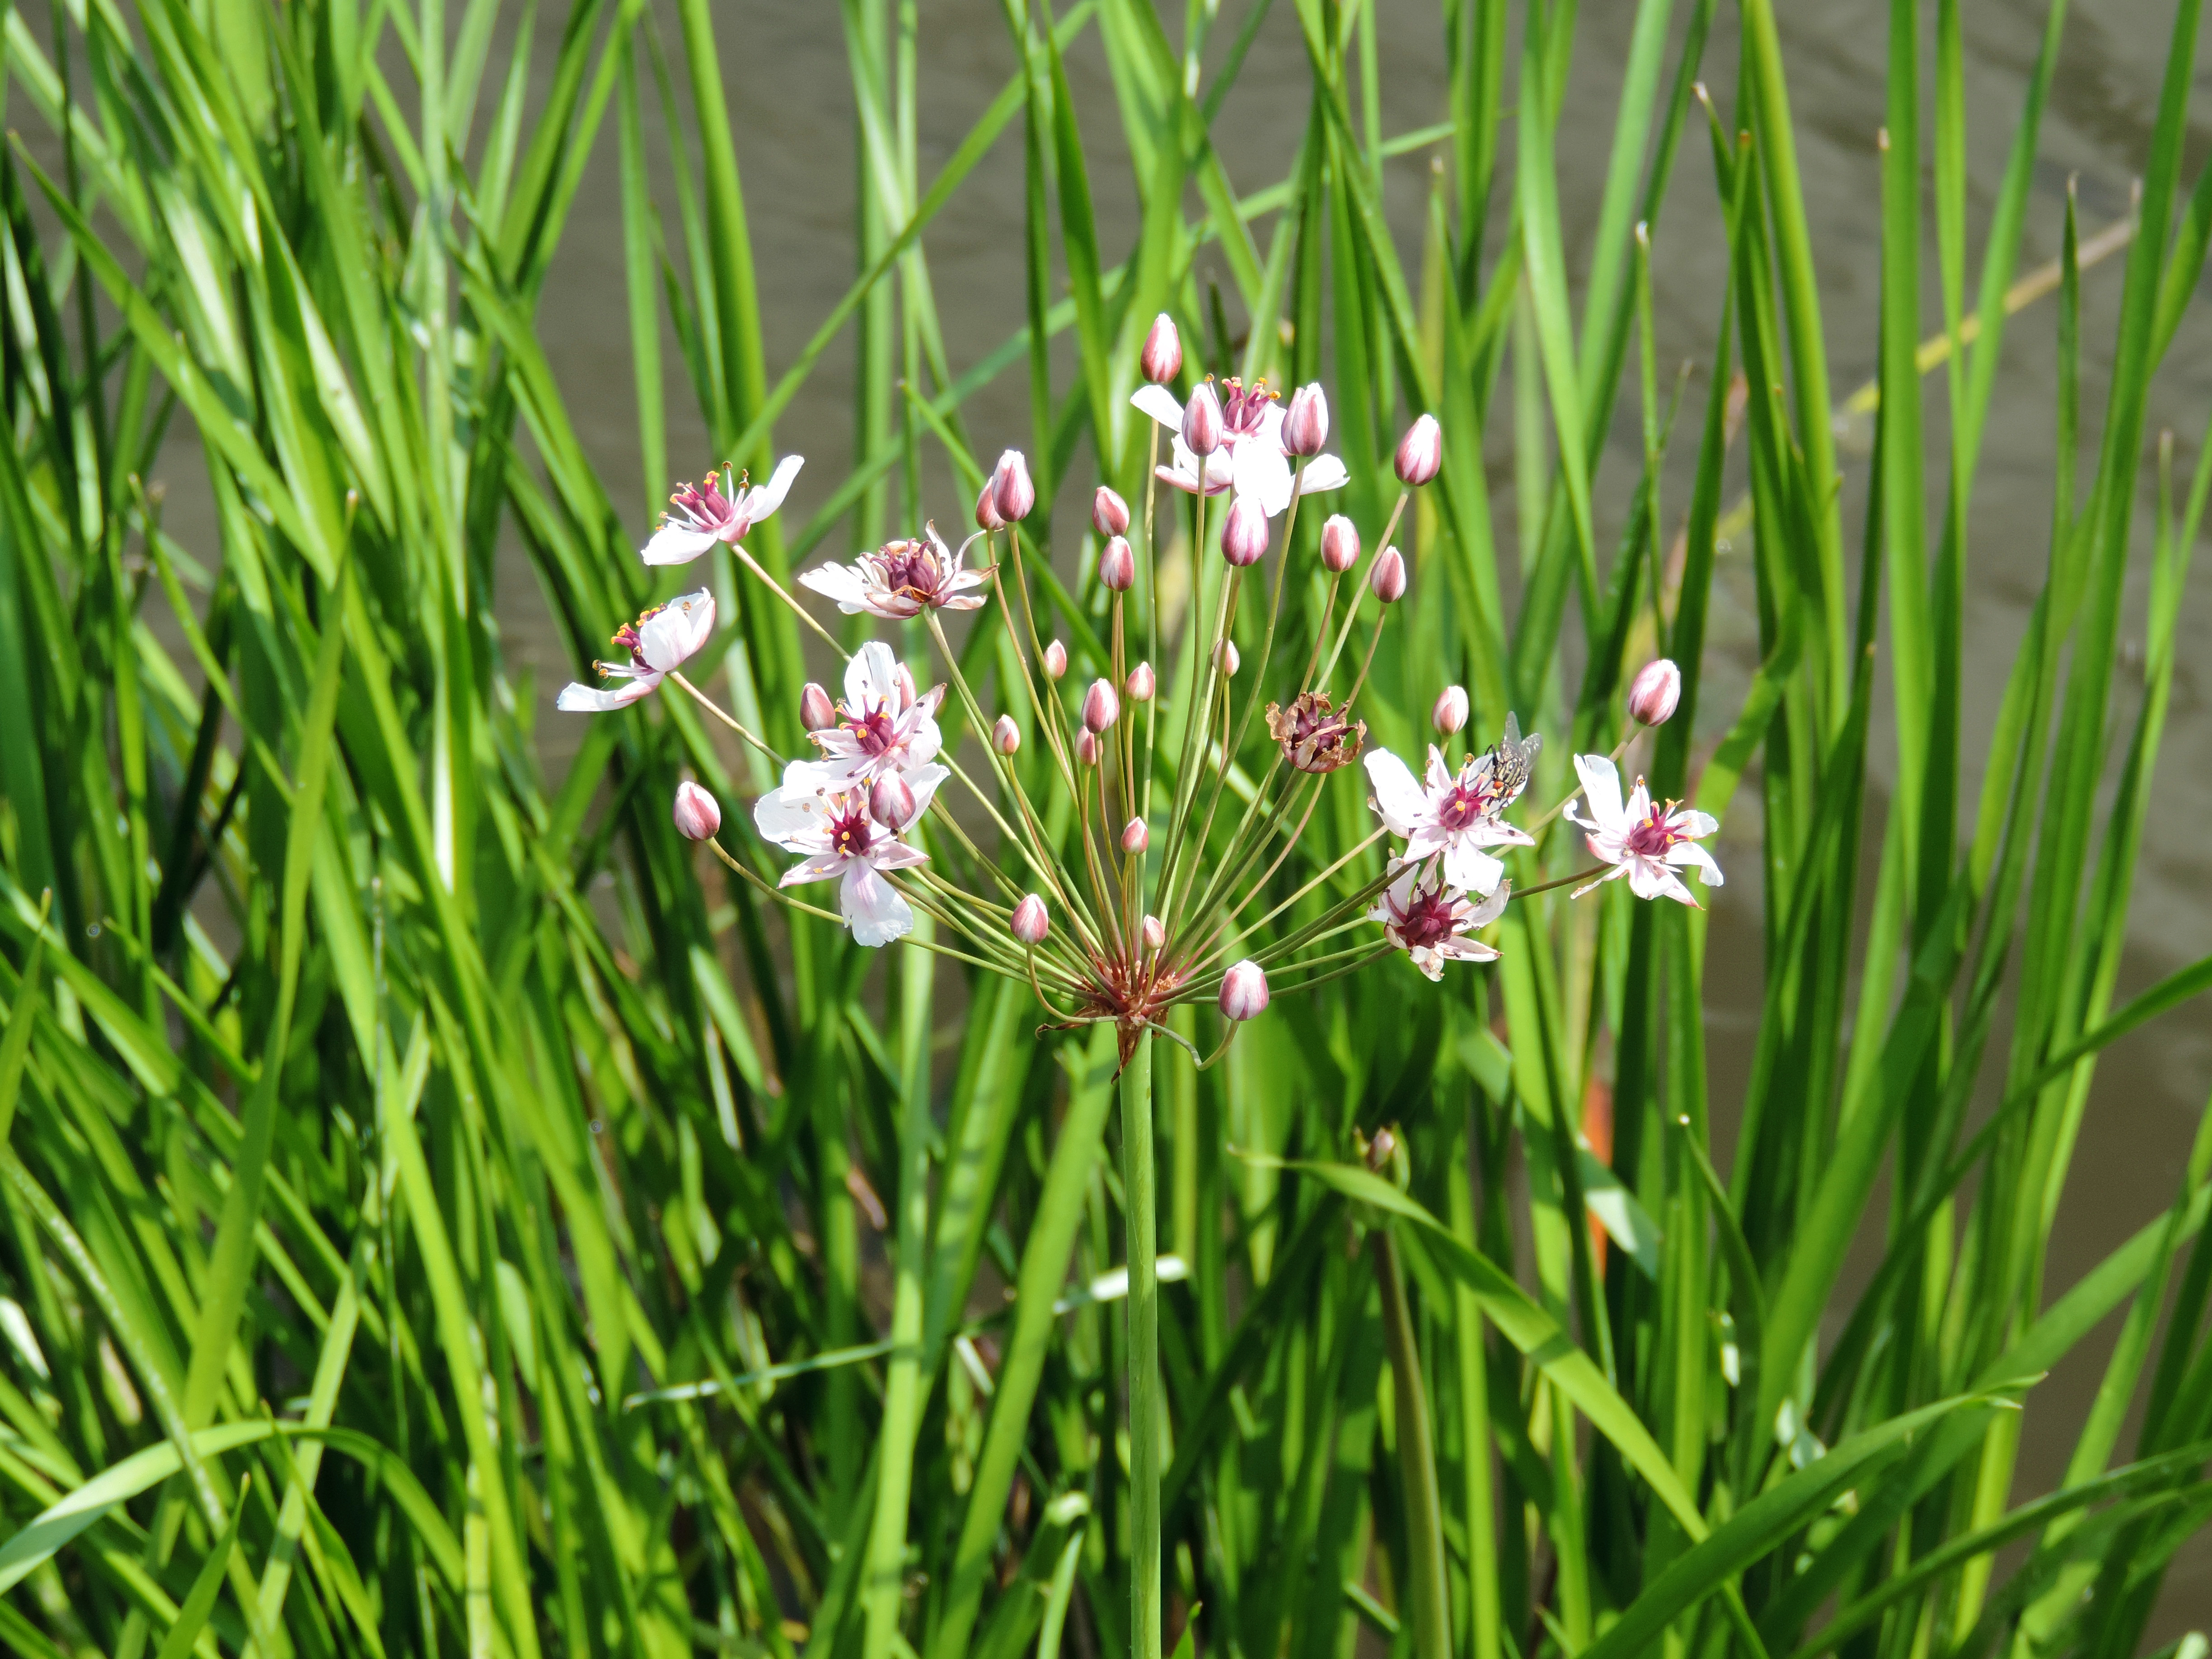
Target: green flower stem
1138	1174
1425	1598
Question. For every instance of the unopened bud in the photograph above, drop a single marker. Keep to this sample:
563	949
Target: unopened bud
1142	683
698	815
1450	712
1101	708
1155	935
1135	835
1030	923
1244	537
1110	514
1305	422
1381	1150
1339	544
1012	492
1163	355
1655	692
815	712
902	684
986	509
1420	452
1006	736
1117	566
1056	659
1389	580
1086	749
1227	659
1202	420
891	803
1244	992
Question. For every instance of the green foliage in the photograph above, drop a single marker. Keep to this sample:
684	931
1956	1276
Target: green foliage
670	1274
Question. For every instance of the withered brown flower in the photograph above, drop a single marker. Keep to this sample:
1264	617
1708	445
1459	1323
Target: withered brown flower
1313	739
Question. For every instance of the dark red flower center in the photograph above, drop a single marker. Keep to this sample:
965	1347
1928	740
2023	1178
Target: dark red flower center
910	569
850	832
875	731
1243	408
1427	919
1468	804
1653	833
705	502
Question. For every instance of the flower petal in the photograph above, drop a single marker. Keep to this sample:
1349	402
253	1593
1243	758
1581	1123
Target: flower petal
1601	789
1261	471
1160	404
594	700
1397	797
1685	854
871	678
756	504
674	544
677	630
1468	867
1323	472
821	867
1688	821
840	582
795	810
872	910
923	780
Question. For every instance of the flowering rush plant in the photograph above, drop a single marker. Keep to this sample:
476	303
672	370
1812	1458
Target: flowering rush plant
1110	889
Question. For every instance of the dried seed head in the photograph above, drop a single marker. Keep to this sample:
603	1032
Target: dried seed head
1006	736
1117	566
1201	420
1163	355
1244	992
1655	692
1450	711
1142	683
1314	738
1012	492
1110	514
1305	422
1339	544
1244	537
1227	659
1056	659
1420	452
1135	835
1155	935
1389	580
891	803
1101	708
698	815
1031	923
815	712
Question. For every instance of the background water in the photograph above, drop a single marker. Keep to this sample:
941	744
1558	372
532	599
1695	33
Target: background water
790	91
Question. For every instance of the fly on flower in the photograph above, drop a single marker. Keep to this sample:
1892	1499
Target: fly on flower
658	642
1458	814
901	578
699	516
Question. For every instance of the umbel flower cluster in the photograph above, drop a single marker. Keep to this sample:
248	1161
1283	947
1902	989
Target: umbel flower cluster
1119	875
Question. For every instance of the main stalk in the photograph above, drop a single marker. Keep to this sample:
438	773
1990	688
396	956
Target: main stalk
1138	1167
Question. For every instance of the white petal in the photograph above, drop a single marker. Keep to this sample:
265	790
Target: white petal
923	780
896	855
1428	960
673	545
1323	472
871	677
1397	796
1261	471
840	582
757	504
676	631
1685	854
923	740
876	915
1602	788
1689	822
592	700
821	867
1468	867
1492	908
1439	775
1160	404
796	810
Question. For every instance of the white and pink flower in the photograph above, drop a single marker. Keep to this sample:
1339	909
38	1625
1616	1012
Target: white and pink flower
1251	459
658	642
901	579
1643	840
838	839
881	728
700	516
1456	814
1431	920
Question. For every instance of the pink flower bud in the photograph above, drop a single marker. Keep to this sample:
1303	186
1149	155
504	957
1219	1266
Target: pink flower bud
1163	355
1654	692
1135	835
1030	923
902	683
1110	514
1339	544
1305	422
1450	712
698	815
891	803
1388	579
1056	659
1006	736
1117	566
1244	538
1101	708
1155	935
986	509
1086	749
1227	659
1420	452
815	712
1142	683
1012	492
1202	420
1244	992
